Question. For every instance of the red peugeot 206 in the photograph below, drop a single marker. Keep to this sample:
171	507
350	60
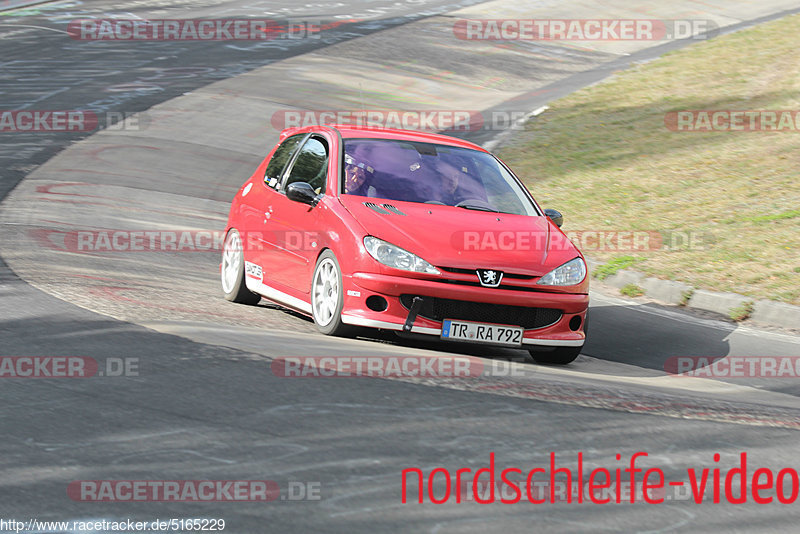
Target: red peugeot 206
408	231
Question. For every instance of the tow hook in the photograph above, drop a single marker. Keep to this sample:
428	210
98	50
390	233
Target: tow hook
416	304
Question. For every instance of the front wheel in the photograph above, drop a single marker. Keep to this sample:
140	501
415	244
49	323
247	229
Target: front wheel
327	296
232	271
558	356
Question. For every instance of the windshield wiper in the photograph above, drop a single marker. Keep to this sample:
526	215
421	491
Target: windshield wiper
477	208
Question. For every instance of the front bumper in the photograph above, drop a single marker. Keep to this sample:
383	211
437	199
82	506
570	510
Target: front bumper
360	286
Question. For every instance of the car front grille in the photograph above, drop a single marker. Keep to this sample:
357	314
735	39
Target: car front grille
472	272
439	309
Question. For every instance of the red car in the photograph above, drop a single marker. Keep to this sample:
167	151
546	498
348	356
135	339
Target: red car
414	232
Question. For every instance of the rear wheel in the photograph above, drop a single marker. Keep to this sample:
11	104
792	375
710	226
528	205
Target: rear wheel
232	271
559	355
327	296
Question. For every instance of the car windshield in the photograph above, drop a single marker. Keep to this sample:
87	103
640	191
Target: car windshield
431	173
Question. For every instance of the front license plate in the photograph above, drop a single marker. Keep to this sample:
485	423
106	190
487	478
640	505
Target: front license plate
482	333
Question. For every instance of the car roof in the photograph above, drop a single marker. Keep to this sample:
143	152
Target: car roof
349	131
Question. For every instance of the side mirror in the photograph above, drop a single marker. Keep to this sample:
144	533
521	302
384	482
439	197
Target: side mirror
301	192
555	216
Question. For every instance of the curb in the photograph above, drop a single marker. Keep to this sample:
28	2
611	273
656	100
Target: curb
768	312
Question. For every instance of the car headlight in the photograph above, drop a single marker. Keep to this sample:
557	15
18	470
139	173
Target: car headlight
571	273
393	256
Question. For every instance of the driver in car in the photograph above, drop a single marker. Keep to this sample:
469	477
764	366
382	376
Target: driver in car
358	174
451	181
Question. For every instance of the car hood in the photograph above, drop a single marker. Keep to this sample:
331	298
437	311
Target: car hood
465	239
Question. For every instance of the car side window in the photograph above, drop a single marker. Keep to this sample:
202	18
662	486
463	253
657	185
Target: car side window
311	165
282	155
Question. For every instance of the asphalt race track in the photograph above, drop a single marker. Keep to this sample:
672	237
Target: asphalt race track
201	400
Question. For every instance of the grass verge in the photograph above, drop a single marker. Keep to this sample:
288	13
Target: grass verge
613	265
632	290
740	313
606	159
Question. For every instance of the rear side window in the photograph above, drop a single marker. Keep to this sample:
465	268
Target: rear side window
311	165
282	155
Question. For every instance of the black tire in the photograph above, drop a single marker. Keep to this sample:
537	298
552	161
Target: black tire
232	271
327	296
557	356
